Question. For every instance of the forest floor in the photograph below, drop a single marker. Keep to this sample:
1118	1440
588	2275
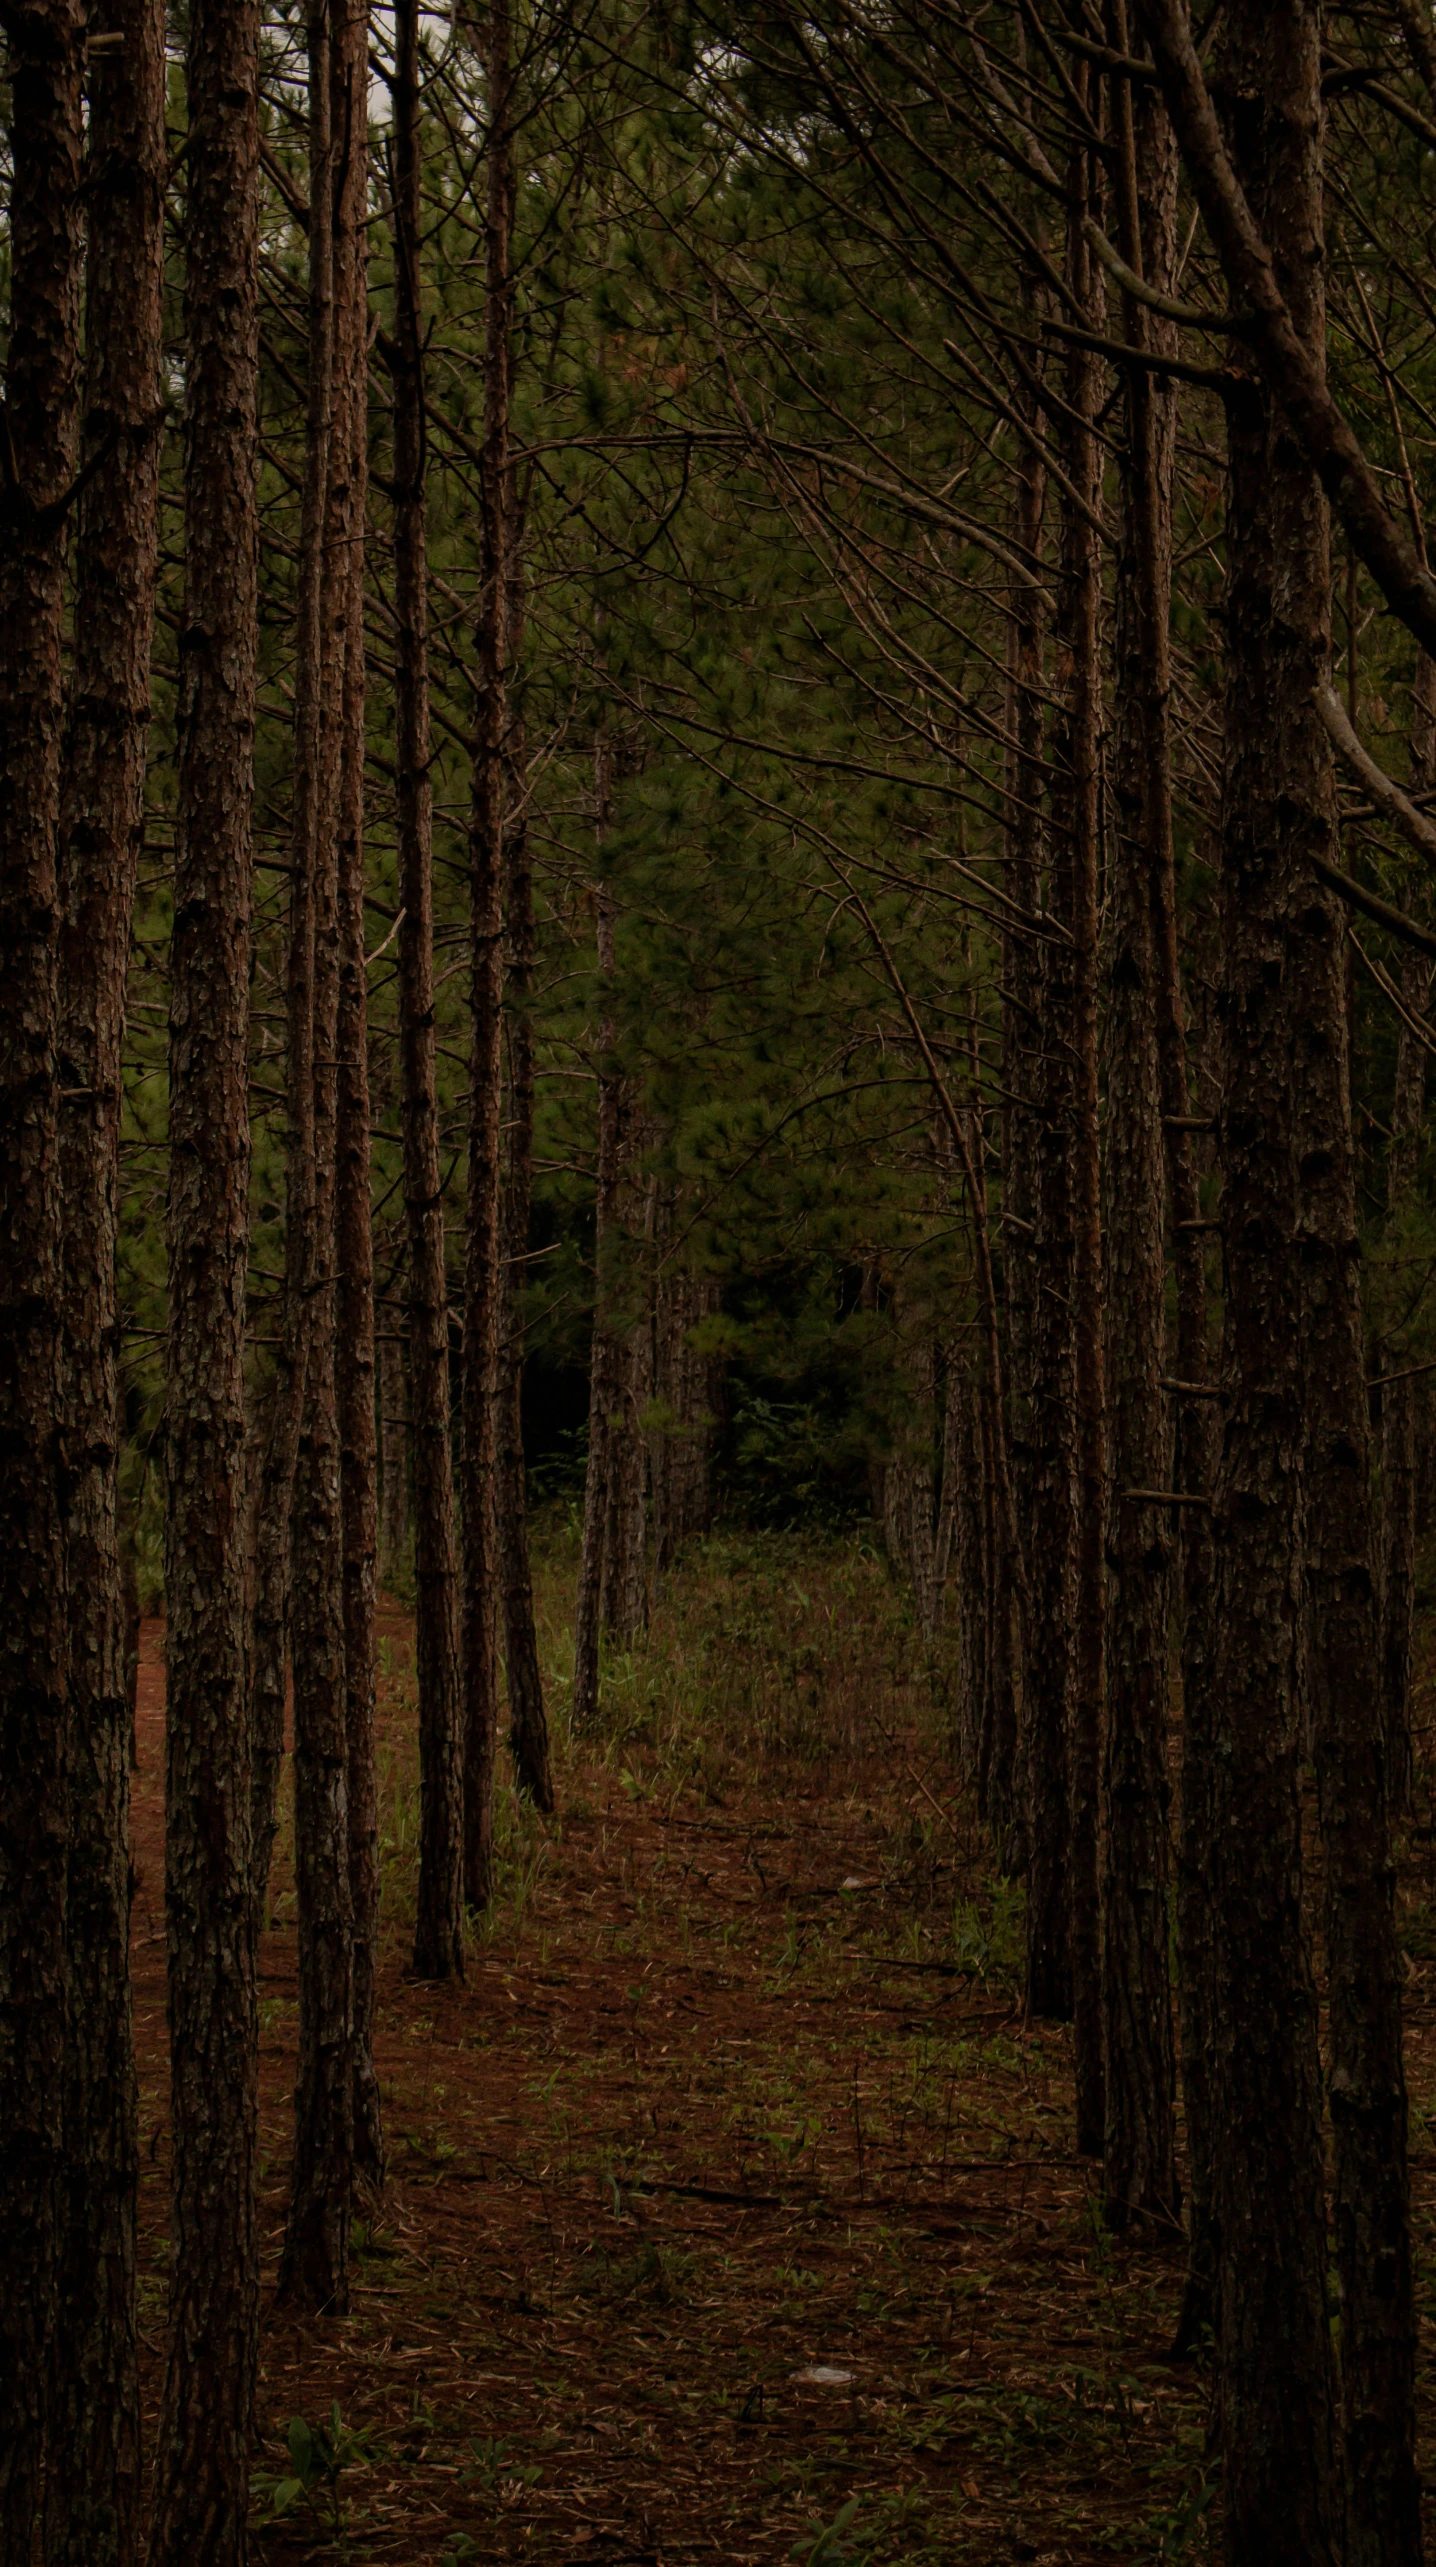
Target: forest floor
731	2208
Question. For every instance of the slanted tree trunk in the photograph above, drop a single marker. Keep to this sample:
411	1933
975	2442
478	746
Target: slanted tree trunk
528	1724
353	1234
483	1258
1274	2329
92	2493
46	54
1140	2131
201	2490
439	1924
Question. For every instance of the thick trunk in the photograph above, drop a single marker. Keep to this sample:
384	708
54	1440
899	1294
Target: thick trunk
528	1724
439	1925
1366	2083
483	1259
1274	2326
1140	2133
353	1235
93	2477
46	46
200	2512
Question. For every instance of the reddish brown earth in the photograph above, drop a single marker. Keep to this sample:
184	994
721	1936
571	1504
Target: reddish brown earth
737	2089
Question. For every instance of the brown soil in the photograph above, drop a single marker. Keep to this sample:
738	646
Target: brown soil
737	2090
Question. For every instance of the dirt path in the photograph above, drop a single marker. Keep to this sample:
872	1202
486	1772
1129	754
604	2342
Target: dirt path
730	2186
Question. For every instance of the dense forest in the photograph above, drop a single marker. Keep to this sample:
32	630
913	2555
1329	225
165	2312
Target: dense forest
717	1348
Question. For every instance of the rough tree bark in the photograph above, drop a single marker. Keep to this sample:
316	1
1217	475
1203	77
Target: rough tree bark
439	1923
358	1444
46	50
92	2492
483	1260
314	2264
313	805
1274	2330
1139	2147
1366	2082
200	2512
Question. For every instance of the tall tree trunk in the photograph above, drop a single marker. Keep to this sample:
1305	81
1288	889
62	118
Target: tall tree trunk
1366	2084
92	2492
1038	1795
1076	863
483	1260
1140	2070
604	1374
963	1474
201	2509
313	803
314	2265
1399	1397
439	1925
353	1235
46	53
1052	1543
1274	2329
528	1725
1002	1647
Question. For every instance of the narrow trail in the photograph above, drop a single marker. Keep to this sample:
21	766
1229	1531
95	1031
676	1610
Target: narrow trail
730	2186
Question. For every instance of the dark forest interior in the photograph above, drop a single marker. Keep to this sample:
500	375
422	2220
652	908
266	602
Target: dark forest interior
717	1340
